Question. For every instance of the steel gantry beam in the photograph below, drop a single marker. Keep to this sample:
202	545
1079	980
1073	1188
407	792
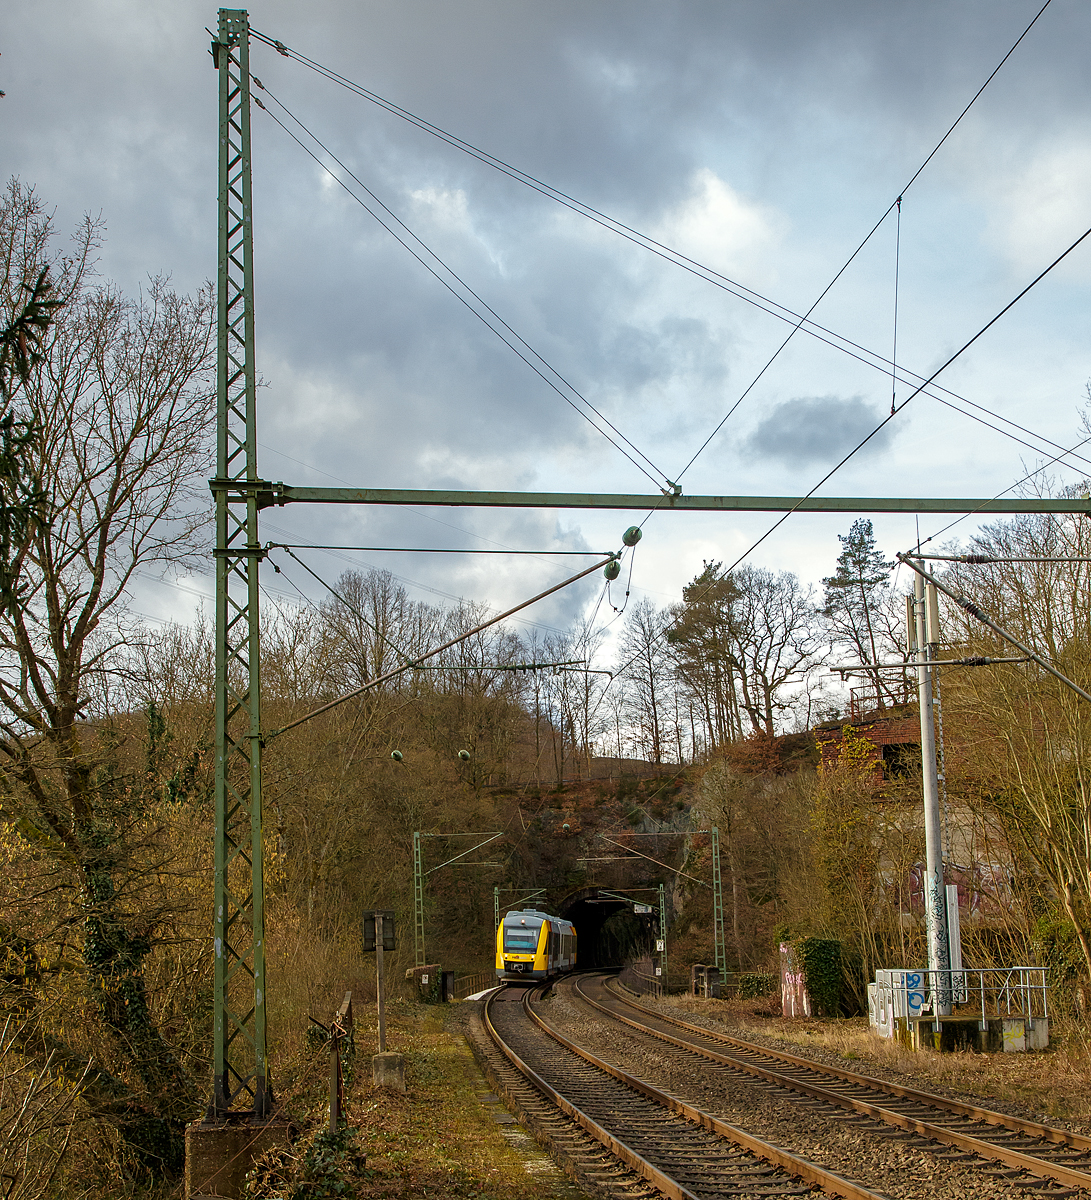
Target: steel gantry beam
241	1079
269	493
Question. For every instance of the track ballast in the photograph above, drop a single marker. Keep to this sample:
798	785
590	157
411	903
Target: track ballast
677	1149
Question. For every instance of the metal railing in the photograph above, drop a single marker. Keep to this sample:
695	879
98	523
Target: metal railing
868	701
640	976
468	985
982	993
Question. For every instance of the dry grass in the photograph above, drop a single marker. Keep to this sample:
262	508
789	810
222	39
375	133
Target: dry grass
1054	1082
439	1138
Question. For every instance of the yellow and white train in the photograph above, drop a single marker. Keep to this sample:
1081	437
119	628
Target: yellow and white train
533	945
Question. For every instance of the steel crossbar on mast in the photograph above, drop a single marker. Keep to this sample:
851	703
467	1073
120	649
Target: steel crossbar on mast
270	493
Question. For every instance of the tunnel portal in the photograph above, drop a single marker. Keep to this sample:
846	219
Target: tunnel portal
608	931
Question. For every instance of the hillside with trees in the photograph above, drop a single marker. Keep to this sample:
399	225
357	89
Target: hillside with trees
699	712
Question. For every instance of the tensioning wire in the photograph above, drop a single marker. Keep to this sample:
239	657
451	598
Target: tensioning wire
403	507
897	275
892	362
886	420
644	241
404	579
461	637
463	284
434	550
1010	487
337	596
867	238
845	345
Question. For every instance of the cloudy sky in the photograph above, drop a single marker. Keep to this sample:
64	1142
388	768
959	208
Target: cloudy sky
762	139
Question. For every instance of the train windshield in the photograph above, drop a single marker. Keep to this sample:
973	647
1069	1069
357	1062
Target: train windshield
519	940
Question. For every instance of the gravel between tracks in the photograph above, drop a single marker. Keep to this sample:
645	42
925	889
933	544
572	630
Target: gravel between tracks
862	1066
886	1161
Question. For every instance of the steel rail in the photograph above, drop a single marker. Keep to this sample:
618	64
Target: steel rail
625	1154
829	1181
1049	1133
1016	1159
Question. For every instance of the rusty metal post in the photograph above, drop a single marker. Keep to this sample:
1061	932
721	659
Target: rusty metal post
340	1029
380	985
337	1091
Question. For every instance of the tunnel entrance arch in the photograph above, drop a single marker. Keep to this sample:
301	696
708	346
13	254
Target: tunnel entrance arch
608	928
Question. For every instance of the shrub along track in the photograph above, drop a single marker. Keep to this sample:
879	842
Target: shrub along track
1041	1158
620	1136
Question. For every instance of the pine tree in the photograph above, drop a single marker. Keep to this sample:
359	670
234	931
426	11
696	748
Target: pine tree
854	596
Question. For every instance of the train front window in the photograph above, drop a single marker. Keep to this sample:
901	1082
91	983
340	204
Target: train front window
520	941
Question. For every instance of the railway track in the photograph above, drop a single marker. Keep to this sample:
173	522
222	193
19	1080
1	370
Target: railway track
1039	1158
658	1144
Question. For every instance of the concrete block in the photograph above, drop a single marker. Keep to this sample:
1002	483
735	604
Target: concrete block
219	1154
388	1071
1014	1034
427	983
1038	1034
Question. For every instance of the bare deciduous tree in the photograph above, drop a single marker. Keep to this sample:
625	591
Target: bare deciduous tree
775	640
643	653
119	407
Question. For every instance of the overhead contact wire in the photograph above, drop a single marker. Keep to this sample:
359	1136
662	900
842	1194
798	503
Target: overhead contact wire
886	420
1010	487
434	550
462	283
438	649
645	241
852	257
351	607
897	274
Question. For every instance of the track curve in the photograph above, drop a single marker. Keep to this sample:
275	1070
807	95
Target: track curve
675	1148
1032	1153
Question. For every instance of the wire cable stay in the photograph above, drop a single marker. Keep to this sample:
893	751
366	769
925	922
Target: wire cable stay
347	603
867	238
402	579
897	274
613	224
939	370
886	420
337	551
545	371
801	322
1010	488
388	675
433	550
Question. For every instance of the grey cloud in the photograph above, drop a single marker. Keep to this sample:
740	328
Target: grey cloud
819	112
817	430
